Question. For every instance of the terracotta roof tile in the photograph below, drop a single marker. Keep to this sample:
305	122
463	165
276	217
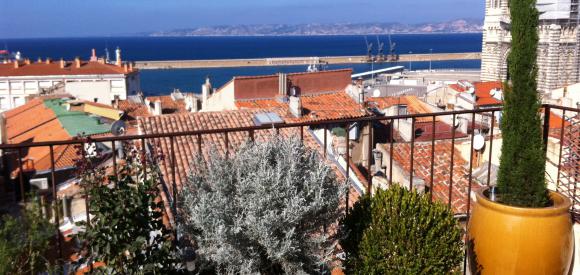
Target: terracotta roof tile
414	105
441	169
265	87
42	69
327	106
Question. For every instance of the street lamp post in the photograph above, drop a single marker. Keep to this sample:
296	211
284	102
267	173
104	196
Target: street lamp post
430	58
410	61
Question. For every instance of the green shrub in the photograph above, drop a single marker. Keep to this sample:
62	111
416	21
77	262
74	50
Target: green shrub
24	241
400	232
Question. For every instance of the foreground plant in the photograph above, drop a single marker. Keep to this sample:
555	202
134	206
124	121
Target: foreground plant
24	241
400	232
262	210
521	178
126	232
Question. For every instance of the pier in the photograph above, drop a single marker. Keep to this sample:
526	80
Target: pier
293	61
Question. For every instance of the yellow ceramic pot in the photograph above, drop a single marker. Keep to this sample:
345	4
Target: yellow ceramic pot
515	240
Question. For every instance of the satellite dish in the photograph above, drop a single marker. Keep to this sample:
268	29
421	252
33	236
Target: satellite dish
377	93
457	123
471	90
478	142
118	128
492	92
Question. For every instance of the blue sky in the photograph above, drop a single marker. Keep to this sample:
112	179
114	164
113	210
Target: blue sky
64	18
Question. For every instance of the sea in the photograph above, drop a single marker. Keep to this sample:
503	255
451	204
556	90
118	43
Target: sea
159	82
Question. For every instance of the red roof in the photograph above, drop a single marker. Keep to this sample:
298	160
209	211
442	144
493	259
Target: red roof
265	87
482	92
326	106
441	169
53	68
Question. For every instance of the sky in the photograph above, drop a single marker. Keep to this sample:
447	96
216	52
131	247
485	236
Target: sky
73	18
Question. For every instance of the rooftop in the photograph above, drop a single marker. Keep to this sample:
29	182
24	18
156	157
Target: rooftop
54	68
482	91
316	107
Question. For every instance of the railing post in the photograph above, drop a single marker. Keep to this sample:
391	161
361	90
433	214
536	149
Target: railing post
55	201
562	128
433	125
21	176
369	158
412	153
453	130
347	127
392	141
547	113
490	147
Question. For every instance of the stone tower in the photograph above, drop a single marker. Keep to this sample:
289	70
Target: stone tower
558	48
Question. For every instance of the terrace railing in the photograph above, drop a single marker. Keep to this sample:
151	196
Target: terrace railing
565	158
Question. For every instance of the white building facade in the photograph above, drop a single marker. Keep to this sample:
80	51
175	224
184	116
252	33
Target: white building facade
93	80
558	49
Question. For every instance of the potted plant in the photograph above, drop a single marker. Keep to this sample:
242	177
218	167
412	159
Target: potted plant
526	229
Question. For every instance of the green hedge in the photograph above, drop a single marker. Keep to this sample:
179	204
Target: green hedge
401	232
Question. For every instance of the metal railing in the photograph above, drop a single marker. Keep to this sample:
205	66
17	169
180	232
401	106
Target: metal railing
493	113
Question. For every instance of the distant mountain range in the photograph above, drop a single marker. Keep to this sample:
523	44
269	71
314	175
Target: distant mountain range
455	26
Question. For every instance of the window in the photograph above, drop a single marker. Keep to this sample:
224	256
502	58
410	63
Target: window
18	101
3	85
4	103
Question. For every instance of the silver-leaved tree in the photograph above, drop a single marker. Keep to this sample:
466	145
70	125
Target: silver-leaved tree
262	210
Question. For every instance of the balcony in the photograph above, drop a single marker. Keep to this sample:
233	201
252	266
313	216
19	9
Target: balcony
382	150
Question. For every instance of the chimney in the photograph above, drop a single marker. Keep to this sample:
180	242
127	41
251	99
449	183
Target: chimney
282	84
148	104
47	60
16	64
93	55
39	60
118	57
116	102
130	66
205	92
295	106
27	61
282	88
62	63
77	62
125	68
157	109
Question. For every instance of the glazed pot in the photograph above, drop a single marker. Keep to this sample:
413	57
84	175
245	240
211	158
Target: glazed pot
505	240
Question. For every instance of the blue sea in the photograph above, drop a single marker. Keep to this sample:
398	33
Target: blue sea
154	82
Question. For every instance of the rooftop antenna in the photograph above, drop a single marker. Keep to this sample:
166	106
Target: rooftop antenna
369	50
381	46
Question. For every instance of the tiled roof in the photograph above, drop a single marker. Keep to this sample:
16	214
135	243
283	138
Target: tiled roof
326	106
414	105
482	92
40	120
133	110
168	105
43	69
264	87
441	169
186	147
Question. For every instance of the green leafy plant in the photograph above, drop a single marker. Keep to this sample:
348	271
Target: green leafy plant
24	241
262	210
400	232
521	178
126	232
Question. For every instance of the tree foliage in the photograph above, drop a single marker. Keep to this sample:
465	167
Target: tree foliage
126	231
400	232
262	210
521	178
24	240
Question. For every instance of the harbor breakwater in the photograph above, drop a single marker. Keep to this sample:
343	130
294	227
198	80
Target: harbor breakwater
292	61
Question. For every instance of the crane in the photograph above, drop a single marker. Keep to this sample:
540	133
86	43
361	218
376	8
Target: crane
369	50
380	53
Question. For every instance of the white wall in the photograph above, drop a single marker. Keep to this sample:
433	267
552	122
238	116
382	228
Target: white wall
221	100
100	90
